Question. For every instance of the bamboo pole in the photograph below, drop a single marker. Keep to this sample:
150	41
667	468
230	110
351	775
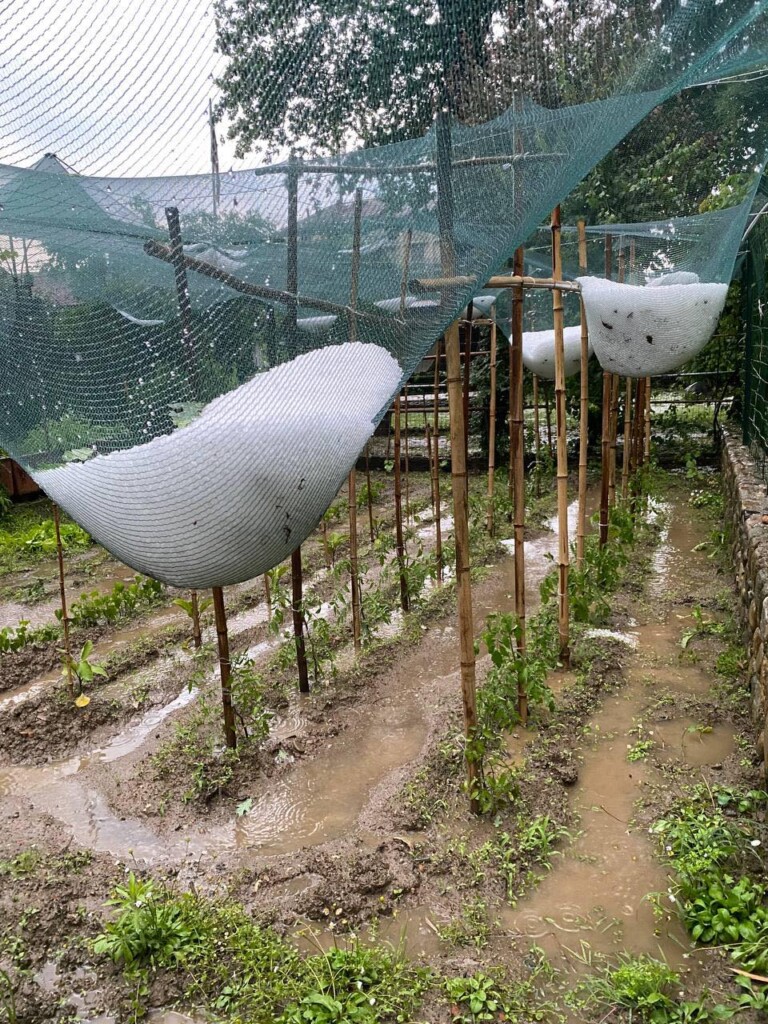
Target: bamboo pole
581	531
400	543
354	278
268	596
407	460
297	612
197	636
436	465
536	433
518	471
467	370
629	440
292	251
647	431
355	581
176	258
63	596
461	536
370	495
548	414
225	667
605	456
492	425
562	448
614	431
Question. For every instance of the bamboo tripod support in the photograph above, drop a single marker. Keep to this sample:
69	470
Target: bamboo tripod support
197	635
581	530
63	596
517	453
492	426
400	543
225	668
297	612
461	537
562	448
354	578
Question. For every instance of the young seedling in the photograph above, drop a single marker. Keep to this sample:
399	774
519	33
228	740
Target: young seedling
83	669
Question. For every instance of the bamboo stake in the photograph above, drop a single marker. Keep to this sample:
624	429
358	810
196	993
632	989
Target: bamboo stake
63	595
400	543
548	414
355	582
370	495
518	471
297	611
614	429
492	425
562	447
225	668
536	434
268	596
197	636
354	279
407	460
292	251
467	362
461	536
583	408
629	439
436	465
605	455
326	549
647	432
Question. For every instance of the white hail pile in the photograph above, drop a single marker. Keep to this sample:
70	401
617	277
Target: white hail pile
642	331
233	493
539	352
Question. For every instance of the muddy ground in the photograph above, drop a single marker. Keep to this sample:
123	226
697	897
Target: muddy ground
350	816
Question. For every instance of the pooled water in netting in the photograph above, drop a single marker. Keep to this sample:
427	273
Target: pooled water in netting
190	364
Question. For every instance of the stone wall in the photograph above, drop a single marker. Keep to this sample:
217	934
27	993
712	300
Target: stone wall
746	511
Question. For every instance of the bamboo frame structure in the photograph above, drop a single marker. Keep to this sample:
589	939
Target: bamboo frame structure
461	537
353	570
225	667
369	494
517	444
197	636
562	449
492	425
297	612
613	434
63	597
627	454
351	169
399	540
581	530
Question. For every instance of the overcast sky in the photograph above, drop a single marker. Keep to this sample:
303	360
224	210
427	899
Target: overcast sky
113	87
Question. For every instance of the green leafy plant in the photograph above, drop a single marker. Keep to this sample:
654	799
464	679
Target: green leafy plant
121	602
16	639
475	998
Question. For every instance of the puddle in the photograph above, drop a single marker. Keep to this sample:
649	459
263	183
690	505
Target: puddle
693	743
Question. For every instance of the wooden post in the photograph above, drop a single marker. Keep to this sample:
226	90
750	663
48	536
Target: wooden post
461	536
63	596
518	468
297	611
400	543
629	438
647	431
182	294
562	447
370	495
354	276
536	433
548	414
614	431
225	668
355	581
492	425
581	531
197	636
407	459
436	464
605	455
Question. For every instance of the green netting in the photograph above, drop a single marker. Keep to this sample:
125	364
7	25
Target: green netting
191	363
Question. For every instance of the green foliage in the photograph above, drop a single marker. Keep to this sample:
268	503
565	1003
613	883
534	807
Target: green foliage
121	602
715	855
39	540
703	627
486	997
15	639
188	607
640	984
82	666
475	998
149	930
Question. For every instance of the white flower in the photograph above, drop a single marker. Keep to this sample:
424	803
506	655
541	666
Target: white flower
755	842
